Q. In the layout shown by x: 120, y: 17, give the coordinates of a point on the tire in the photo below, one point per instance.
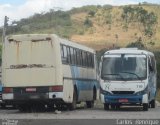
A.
x: 94, y: 93
x: 145, y: 107
x: 153, y: 104
x: 113, y: 107
x: 118, y: 107
x: 22, y: 108
x: 3, y: 105
x: 106, y: 106
x: 90, y: 104
x: 72, y: 106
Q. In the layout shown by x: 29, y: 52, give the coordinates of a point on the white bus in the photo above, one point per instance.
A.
x: 128, y: 76
x: 49, y: 70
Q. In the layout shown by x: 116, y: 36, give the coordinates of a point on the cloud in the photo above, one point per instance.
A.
x: 37, y: 6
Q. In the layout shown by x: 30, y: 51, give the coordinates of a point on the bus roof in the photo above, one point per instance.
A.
x: 76, y: 45
x: 28, y: 37
x: 128, y: 51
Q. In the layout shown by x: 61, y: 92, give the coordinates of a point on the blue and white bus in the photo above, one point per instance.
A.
x: 128, y: 76
x: 49, y: 70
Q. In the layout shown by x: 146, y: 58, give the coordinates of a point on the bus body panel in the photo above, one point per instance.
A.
x: 32, y: 70
x: 29, y: 60
x: 83, y: 79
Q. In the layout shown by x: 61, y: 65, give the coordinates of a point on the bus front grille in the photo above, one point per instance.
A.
x: 123, y: 92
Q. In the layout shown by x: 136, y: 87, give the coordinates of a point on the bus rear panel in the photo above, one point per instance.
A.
x: 29, y: 69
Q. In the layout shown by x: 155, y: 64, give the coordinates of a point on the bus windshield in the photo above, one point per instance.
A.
x: 124, y: 67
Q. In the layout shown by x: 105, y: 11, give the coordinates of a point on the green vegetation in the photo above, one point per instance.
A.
x: 136, y: 44
x: 146, y: 20
x: 88, y: 22
x: 92, y: 19
x: 51, y: 22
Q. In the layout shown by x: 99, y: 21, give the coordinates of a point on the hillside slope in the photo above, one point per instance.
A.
x: 95, y: 26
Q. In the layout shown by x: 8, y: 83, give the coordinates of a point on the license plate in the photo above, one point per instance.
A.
x: 30, y: 89
x: 123, y: 100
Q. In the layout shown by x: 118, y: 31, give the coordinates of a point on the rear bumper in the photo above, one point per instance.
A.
x: 48, y: 97
x: 115, y: 99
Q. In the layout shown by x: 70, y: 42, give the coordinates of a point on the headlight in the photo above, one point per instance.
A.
x: 143, y: 91
x: 104, y: 92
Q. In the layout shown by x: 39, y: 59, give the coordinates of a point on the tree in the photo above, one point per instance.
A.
x: 147, y: 20
x: 137, y: 44
x: 88, y: 22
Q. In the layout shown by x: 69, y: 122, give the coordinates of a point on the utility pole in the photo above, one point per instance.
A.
x: 6, y: 19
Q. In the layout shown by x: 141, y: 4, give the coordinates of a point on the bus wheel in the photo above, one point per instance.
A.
x: 153, y: 104
x: 3, y: 105
x: 23, y: 108
x: 145, y: 107
x: 90, y: 104
x: 106, y: 106
x: 113, y: 106
x: 72, y: 105
x: 117, y: 107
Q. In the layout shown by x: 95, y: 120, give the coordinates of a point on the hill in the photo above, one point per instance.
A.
x: 98, y: 26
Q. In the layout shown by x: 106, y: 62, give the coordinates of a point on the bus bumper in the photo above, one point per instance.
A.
x: 122, y: 99
x: 48, y: 97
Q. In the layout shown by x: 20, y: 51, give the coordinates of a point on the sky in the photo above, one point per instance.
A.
x: 18, y: 9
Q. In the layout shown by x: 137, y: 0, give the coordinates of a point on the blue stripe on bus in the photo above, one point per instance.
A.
x: 81, y: 84
x: 85, y: 85
x: 115, y: 98
x: 0, y: 88
x: 74, y: 71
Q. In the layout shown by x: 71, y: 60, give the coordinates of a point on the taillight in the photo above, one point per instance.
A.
x: 8, y: 90
x: 56, y: 88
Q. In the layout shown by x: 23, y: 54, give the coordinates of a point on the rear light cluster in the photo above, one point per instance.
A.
x: 7, y: 90
x: 58, y: 88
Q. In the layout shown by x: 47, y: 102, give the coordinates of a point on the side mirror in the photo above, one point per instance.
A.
x: 100, y: 65
x: 151, y: 68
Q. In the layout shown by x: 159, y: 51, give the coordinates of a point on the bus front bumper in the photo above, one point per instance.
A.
x: 122, y: 99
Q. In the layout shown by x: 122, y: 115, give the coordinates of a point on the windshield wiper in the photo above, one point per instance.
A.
x: 133, y: 74
x: 116, y: 74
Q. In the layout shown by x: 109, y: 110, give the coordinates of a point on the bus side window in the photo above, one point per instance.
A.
x: 72, y: 55
x: 87, y: 59
x: 68, y: 55
x: 78, y: 54
x: 63, y: 54
x: 81, y: 57
x: 92, y: 60
x: 151, y: 64
x: 84, y: 59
